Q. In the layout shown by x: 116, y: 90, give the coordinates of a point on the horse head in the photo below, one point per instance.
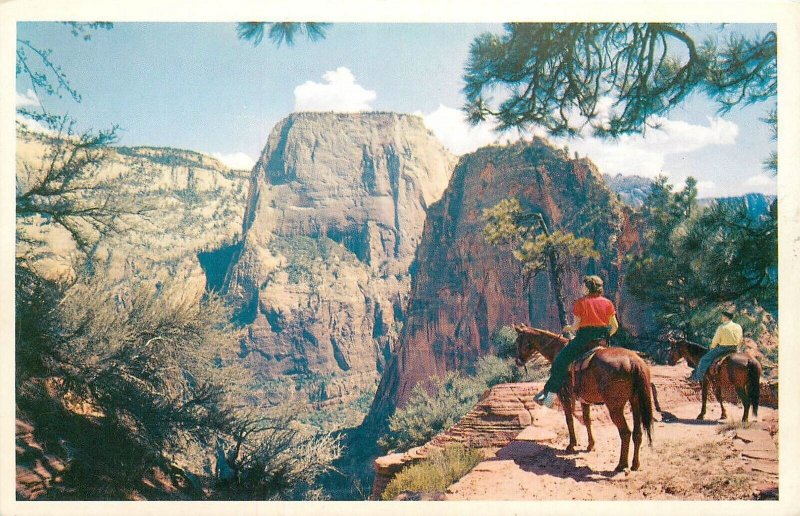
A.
x: 525, y: 344
x: 677, y: 345
x: 674, y: 354
x: 530, y: 340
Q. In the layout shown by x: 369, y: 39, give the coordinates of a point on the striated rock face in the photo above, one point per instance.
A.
x: 320, y: 278
x: 455, y: 309
x: 195, y: 204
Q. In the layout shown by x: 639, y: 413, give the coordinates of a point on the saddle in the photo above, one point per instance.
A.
x: 582, y: 362
x: 715, y: 366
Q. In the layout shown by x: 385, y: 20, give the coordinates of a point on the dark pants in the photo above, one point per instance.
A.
x: 576, y: 347
x: 708, y: 359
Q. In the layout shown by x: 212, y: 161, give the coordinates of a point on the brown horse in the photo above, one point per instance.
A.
x: 739, y: 370
x: 615, y: 376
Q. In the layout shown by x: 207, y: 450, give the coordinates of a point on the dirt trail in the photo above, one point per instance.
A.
x: 689, y: 459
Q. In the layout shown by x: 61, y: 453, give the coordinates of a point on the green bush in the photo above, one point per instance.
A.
x: 491, y: 370
x: 426, y: 415
x: 505, y: 342
x: 435, y: 473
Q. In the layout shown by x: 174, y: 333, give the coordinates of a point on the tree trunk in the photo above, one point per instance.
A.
x: 531, y: 302
x: 555, y: 275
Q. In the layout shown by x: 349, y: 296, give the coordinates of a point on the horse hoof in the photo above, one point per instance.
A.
x: 590, y: 447
x: 570, y: 449
x: 621, y: 468
x: 701, y: 417
x: 635, y: 467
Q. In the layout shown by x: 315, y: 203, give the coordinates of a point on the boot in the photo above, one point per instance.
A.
x: 545, y: 398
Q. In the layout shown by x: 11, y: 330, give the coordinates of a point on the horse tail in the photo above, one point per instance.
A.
x: 642, y: 396
x: 754, y: 383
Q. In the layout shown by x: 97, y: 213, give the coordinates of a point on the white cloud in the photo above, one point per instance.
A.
x: 451, y: 128
x: 759, y: 180
x: 34, y: 125
x: 639, y: 154
x: 27, y: 99
x: 706, y: 188
x: 760, y: 183
x: 339, y: 93
x: 645, y: 154
x: 448, y: 124
x: 236, y: 160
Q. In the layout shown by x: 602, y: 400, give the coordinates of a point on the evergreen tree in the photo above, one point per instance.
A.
x: 538, y: 248
x: 694, y: 259
x: 555, y: 75
x: 280, y: 33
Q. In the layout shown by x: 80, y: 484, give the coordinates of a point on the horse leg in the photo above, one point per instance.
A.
x: 702, y: 413
x: 655, y: 396
x: 637, y: 434
x: 742, y: 393
x: 617, y: 414
x: 566, y: 401
x: 587, y: 420
x: 718, y: 394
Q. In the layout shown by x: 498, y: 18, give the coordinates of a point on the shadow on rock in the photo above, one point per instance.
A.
x: 669, y: 417
x: 539, y: 459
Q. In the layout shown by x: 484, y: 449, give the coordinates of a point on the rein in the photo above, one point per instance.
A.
x: 533, y: 333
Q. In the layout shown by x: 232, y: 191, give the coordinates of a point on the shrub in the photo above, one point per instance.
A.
x: 146, y: 367
x: 505, y: 342
x: 426, y: 415
x: 435, y: 473
x: 268, y: 457
x: 491, y: 370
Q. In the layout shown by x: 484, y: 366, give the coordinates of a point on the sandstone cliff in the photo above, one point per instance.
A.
x: 195, y: 203
x: 320, y: 278
x: 465, y: 289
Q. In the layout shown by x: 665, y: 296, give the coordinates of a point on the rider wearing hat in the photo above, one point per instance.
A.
x: 594, y: 319
x: 726, y: 340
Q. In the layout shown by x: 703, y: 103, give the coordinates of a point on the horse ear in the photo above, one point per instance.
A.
x: 517, y: 327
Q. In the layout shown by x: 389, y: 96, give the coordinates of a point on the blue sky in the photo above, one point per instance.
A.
x: 196, y: 86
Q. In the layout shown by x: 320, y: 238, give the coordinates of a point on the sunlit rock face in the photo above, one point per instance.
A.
x: 192, y: 205
x: 465, y: 289
x: 335, y: 212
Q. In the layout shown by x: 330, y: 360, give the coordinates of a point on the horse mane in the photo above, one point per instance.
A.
x: 694, y: 345
x: 530, y: 330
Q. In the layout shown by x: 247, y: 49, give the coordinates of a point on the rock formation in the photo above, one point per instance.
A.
x: 195, y: 204
x: 632, y: 190
x: 465, y: 289
x: 320, y: 278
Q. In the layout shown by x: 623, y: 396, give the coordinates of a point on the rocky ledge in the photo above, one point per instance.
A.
x: 506, y: 412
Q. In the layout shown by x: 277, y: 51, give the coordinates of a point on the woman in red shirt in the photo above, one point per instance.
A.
x: 595, y: 318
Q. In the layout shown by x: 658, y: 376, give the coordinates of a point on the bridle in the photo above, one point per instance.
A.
x: 518, y: 361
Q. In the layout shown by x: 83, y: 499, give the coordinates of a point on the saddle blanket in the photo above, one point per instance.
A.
x: 583, y: 361
x: 581, y: 364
